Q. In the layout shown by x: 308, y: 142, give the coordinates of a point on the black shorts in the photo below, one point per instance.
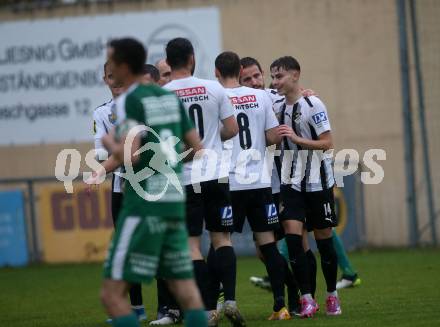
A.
x: 116, y: 205
x: 315, y: 209
x: 258, y: 207
x: 212, y: 206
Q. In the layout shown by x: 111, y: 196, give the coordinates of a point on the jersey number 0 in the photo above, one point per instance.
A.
x: 196, y: 115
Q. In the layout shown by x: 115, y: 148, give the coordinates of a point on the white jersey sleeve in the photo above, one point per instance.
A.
x: 318, y: 116
x: 271, y: 120
x: 226, y: 109
x: 98, y: 130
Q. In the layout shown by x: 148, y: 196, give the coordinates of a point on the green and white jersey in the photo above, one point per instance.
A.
x: 154, y: 181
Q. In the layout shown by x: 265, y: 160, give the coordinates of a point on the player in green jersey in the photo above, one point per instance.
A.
x: 151, y: 237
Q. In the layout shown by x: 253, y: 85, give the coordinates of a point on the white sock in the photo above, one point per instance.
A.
x: 308, y: 296
x: 334, y: 293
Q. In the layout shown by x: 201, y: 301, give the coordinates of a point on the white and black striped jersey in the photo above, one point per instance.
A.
x: 104, y: 118
x: 253, y: 109
x: 277, y: 102
x: 207, y: 105
x: 306, y: 170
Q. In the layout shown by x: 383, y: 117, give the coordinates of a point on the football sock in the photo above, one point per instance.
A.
x: 298, y: 261
x: 313, y: 268
x: 329, y: 262
x: 334, y: 293
x: 226, y: 263
x: 274, y: 263
x: 213, y: 282
x: 135, y: 294
x: 202, y: 277
x: 130, y: 320
x: 196, y: 318
x: 343, y: 261
x: 292, y: 286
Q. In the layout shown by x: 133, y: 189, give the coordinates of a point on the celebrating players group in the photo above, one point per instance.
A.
x: 240, y: 151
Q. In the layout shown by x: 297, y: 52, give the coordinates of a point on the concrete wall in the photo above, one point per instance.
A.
x: 348, y: 51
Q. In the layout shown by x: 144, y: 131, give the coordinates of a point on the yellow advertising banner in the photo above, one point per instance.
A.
x: 75, y: 227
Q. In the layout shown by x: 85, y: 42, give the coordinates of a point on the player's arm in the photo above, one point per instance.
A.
x: 271, y: 123
x: 115, y: 142
x: 192, y: 141
x: 324, y: 142
x: 229, y: 128
x: 273, y: 136
x: 318, y: 120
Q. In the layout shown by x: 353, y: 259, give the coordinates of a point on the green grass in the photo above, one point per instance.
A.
x: 399, y: 288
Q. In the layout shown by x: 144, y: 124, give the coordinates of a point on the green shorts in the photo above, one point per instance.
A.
x: 144, y: 247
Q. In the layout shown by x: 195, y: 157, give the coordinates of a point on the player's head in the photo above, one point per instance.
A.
x: 150, y: 75
x: 251, y: 74
x: 115, y: 89
x: 180, y: 54
x: 285, y: 73
x: 164, y: 72
x: 126, y: 58
x: 227, y: 65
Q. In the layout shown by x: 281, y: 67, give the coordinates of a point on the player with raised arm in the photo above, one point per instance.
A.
x: 252, y: 196
x: 150, y: 238
x: 208, y: 197
x: 104, y: 118
x: 307, y: 182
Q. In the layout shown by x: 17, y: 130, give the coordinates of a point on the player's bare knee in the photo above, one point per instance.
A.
x: 263, y: 238
x: 321, y: 234
x: 219, y: 239
x: 293, y: 227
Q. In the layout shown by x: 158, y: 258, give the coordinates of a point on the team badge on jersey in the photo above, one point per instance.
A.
x: 271, y: 213
x: 297, y: 117
x: 226, y: 216
x: 112, y: 117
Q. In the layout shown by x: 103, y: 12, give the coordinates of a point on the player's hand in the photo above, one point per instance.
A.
x: 308, y: 93
x: 92, y: 182
x: 287, y: 131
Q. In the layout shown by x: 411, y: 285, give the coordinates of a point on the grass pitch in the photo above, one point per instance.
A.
x: 399, y: 288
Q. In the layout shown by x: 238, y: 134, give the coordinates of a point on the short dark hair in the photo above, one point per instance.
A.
x: 249, y: 61
x: 178, y: 51
x: 287, y: 63
x: 152, y: 71
x: 131, y: 52
x: 228, y: 64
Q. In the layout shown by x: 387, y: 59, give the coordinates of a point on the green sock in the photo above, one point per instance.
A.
x: 196, y: 318
x: 126, y: 321
x: 343, y: 261
x: 282, y: 247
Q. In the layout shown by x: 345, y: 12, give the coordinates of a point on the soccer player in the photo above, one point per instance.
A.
x: 307, y: 182
x: 150, y: 74
x: 253, y: 76
x: 252, y: 197
x: 150, y: 237
x: 104, y: 118
x: 208, y: 197
x: 164, y: 72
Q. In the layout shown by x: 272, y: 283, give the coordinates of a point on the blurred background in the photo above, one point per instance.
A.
x: 374, y: 63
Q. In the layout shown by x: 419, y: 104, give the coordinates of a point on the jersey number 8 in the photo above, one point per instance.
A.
x: 244, y: 132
